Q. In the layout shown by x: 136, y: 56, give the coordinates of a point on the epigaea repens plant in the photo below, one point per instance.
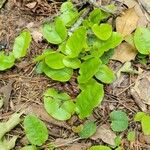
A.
x: 80, y: 51
x: 21, y: 44
x: 144, y: 119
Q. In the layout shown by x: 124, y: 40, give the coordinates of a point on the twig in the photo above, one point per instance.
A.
x: 68, y: 142
x: 79, y: 21
x: 92, y: 2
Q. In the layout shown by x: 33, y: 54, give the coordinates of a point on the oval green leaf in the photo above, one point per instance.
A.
x: 142, y: 40
x: 100, y: 147
x: 55, y: 33
x: 105, y: 74
x: 119, y: 121
x: 146, y: 124
x: 29, y: 148
x: 69, y: 13
x: 88, y: 130
x: 111, y: 43
x: 73, y: 63
x: 6, y: 62
x: 58, y: 105
x: 35, y: 130
x: 102, y: 31
x: 22, y: 43
x: 55, y: 60
x: 88, y: 69
x: 76, y: 42
x: 90, y: 97
x: 61, y: 75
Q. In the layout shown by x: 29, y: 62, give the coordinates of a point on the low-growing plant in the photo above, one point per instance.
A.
x: 119, y: 121
x: 80, y: 51
x: 21, y: 44
x: 144, y: 118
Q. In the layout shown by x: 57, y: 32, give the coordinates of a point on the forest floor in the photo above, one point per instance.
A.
x: 23, y: 87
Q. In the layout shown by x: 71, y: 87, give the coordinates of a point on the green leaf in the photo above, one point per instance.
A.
x: 139, y: 116
x: 55, y: 33
x: 76, y: 42
x: 58, y: 105
x: 73, y: 63
x: 55, y: 60
x: 61, y: 75
x: 111, y: 43
x: 43, y: 55
x: 88, y: 130
x: 142, y: 40
x: 106, y: 56
x: 131, y: 136
x: 69, y: 13
x: 29, y: 148
x: 105, y: 74
x: 117, y: 141
x: 95, y: 16
x: 102, y: 31
x: 6, y: 62
x: 146, y: 124
x: 35, y: 130
x: 89, y: 98
x: 88, y: 69
x: 100, y: 147
x: 22, y: 43
x: 119, y: 121
x: 39, y: 67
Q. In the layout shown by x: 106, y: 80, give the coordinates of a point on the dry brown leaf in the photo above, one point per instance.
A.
x: 35, y: 32
x: 105, y: 134
x: 124, y: 52
x: 31, y: 5
x: 6, y: 92
x: 127, y: 23
x: 146, y: 5
x: 142, y: 87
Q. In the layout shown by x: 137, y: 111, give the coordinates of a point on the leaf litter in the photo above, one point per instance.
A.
x: 37, y: 99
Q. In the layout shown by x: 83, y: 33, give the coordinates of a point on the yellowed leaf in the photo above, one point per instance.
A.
x: 127, y: 23
x: 124, y: 52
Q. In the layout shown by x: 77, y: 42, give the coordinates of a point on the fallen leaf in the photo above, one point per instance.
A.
x: 142, y: 22
x: 31, y: 5
x: 105, y: 134
x: 147, y: 139
x: 146, y: 5
x: 6, y: 92
x: 142, y: 87
x: 62, y: 142
x: 129, y: 3
x: 35, y: 32
x: 127, y: 23
x: 124, y: 52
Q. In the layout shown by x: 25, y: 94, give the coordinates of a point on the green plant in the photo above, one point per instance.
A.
x: 131, y: 136
x: 30, y: 147
x: 80, y: 51
x: 21, y: 44
x: 88, y: 130
x: 58, y: 105
x: 35, y: 130
x: 142, y: 40
x: 145, y: 121
x: 119, y: 121
x: 100, y: 147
